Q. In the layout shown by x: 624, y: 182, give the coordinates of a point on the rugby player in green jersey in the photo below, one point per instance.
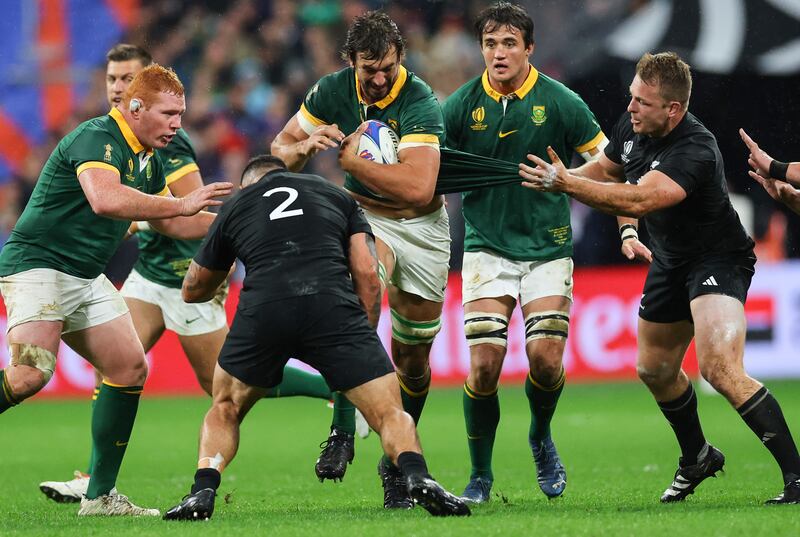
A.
x: 410, y: 223
x: 100, y: 177
x: 525, y: 255
x: 152, y: 290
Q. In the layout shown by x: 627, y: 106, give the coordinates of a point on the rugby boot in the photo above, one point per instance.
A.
x: 197, y: 506
x: 395, y: 487
x: 790, y: 494
x: 550, y: 472
x: 66, y: 491
x: 113, y: 504
x: 687, y: 477
x: 434, y: 498
x: 337, y: 452
x: 478, y: 490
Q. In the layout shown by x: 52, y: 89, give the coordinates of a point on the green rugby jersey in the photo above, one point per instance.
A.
x: 164, y: 260
x: 410, y: 109
x: 58, y: 228
x: 513, y: 221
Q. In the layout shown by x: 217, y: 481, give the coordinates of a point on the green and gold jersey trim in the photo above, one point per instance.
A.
x: 311, y: 118
x: 134, y: 143
x: 527, y: 86
x: 93, y: 165
x: 591, y: 144
x: 182, y: 172
x: 164, y: 192
x: 402, y: 76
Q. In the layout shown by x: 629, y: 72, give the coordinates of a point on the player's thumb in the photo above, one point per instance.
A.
x: 553, y: 155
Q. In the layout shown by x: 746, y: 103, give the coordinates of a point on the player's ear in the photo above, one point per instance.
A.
x: 135, y: 105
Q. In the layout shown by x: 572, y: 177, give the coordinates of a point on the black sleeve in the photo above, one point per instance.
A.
x: 615, y: 141
x: 216, y: 252
x: 357, y: 222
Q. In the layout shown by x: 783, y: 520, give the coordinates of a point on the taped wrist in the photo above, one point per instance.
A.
x: 628, y: 231
x: 778, y: 169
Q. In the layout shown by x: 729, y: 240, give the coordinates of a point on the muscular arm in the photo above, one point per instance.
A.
x: 654, y: 191
x: 185, y: 227
x: 412, y: 180
x: 363, y: 259
x: 200, y: 284
x: 295, y: 147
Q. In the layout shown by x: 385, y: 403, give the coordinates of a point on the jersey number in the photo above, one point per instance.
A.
x: 281, y: 210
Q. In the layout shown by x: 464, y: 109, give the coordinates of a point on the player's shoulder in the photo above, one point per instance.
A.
x: 333, y: 83
x: 416, y: 87
x: 557, y: 89
x: 98, y: 130
x: 466, y: 92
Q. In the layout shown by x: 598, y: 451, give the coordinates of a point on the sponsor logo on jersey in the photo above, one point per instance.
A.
x: 626, y: 149
x: 107, y: 156
x: 129, y: 176
x: 174, y: 161
x: 654, y: 164
x: 478, y: 115
x: 502, y: 134
x: 538, y: 115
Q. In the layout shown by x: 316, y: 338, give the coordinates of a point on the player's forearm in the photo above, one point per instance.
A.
x: 369, y: 294
x: 290, y: 151
x: 124, y: 203
x: 400, y: 182
x: 201, y: 284
x: 612, y: 198
x: 595, y: 171
x: 793, y: 174
x: 185, y: 227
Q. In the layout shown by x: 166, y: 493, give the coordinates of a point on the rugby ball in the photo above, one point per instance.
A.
x: 378, y: 143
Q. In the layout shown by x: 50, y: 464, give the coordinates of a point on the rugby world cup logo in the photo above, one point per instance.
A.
x: 478, y: 115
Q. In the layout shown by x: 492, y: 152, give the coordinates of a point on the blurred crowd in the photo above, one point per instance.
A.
x: 246, y: 65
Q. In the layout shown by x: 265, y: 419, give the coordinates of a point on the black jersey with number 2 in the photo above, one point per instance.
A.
x: 703, y: 223
x: 292, y: 232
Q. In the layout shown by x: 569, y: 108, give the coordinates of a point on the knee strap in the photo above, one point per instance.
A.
x: 481, y: 327
x: 552, y: 324
x: 33, y: 356
x: 413, y: 332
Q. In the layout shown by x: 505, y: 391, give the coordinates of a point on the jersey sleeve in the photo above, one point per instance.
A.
x: 451, y: 115
x: 615, y: 143
x: 312, y: 112
x: 421, y: 121
x: 583, y: 130
x: 178, y: 157
x: 95, y: 149
x: 216, y: 252
x: 357, y: 222
x: 687, y: 165
x: 158, y: 184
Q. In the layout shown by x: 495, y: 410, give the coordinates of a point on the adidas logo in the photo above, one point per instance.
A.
x: 767, y: 437
x: 711, y: 281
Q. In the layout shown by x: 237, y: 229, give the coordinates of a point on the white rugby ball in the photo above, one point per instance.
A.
x: 378, y: 143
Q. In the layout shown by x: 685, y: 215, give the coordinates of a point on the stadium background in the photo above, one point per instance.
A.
x: 246, y: 65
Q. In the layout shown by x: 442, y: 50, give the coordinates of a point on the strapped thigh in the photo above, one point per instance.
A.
x: 550, y: 324
x: 482, y: 327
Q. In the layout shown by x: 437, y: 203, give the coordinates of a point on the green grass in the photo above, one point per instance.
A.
x: 618, y: 450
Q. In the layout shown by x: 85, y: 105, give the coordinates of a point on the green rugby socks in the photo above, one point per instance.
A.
x: 112, y: 423
x: 481, y: 416
x: 344, y: 414
x: 542, y: 401
x: 298, y: 382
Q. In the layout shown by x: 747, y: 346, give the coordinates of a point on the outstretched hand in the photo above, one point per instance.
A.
x: 633, y: 249
x: 544, y: 177
x: 203, y: 197
x: 758, y: 159
x: 324, y: 137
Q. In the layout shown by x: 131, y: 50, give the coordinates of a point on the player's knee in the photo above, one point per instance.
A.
x: 482, y: 328
x: 411, y: 332
x: 546, y: 370
x: 655, y: 375
x: 543, y: 325
x: 719, y: 375
x: 33, y: 369
x: 484, y: 374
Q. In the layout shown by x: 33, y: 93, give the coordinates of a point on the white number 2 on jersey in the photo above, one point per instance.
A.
x: 281, y: 210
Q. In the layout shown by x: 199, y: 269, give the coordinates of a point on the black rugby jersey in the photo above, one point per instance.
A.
x: 292, y: 233
x: 705, y: 221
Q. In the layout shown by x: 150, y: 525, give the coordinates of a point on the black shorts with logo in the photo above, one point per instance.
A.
x: 669, y: 290
x: 328, y: 332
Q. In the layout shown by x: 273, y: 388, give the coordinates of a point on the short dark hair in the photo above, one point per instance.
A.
x: 670, y: 72
x: 373, y: 34
x: 504, y: 14
x: 257, y: 166
x: 122, y: 52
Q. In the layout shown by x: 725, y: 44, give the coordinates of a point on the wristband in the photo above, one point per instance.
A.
x: 778, y: 169
x: 628, y: 231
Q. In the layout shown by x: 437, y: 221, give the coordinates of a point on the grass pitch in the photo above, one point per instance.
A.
x: 619, y: 452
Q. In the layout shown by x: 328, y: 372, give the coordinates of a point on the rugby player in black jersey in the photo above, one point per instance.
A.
x: 311, y: 291
x: 663, y: 165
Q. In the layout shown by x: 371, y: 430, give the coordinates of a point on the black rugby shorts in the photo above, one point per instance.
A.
x: 328, y: 332
x: 669, y: 290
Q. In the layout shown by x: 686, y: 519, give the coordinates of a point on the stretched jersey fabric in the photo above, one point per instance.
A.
x: 703, y: 223
x: 162, y: 259
x: 535, y: 226
x: 410, y: 109
x: 292, y: 233
x: 58, y: 228
x: 462, y: 172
